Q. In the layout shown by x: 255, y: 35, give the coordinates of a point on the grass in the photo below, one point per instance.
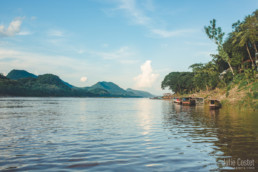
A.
x: 242, y: 84
x: 243, y: 95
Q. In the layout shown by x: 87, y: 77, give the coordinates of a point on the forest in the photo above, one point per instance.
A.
x: 234, y: 63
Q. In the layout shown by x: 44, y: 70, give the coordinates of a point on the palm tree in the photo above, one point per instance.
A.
x: 246, y: 34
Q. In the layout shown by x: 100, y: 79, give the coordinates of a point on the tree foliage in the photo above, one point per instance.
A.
x: 179, y: 82
x: 235, y: 57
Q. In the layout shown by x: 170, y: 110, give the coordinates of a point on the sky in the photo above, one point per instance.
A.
x: 133, y: 43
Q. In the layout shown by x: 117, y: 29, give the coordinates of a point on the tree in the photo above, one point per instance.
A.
x: 205, y: 75
x: 179, y: 82
x: 216, y: 34
x: 200, y: 77
x: 246, y: 33
x: 236, y: 52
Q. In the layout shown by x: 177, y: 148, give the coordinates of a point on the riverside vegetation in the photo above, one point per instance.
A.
x: 231, y: 75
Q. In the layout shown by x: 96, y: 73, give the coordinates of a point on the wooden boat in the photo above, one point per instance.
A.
x: 214, y: 104
x: 198, y: 100
x: 178, y: 100
x: 188, y: 101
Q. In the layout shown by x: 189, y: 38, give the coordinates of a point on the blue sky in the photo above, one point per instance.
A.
x: 133, y: 43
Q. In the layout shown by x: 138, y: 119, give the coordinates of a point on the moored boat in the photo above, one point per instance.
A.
x: 178, y: 101
x: 188, y: 101
x: 214, y: 104
x: 198, y: 100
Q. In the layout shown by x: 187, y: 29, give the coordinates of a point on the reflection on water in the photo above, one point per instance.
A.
x: 59, y: 134
x: 233, y: 134
x: 144, y: 115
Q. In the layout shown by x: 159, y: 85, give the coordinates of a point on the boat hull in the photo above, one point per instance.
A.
x: 189, y: 103
x: 215, y: 104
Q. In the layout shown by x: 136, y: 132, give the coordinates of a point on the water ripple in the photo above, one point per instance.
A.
x: 77, y: 134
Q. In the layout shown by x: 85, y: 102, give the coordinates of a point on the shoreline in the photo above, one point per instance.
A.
x: 237, y: 95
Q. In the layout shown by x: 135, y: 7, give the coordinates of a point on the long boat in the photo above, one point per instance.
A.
x: 188, y: 101
x: 198, y: 100
x: 214, y: 104
x: 175, y: 99
x: 179, y: 101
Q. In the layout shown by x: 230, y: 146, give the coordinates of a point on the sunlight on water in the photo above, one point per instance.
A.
x: 63, y: 134
x: 144, y: 115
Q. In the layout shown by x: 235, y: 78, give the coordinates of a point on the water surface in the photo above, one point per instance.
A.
x: 119, y: 134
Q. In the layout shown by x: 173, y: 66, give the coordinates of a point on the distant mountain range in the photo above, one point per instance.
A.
x: 23, y: 83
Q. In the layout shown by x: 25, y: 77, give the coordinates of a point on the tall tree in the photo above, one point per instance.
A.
x: 216, y: 34
x: 246, y: 34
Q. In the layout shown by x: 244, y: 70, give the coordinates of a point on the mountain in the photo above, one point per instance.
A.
x: 19, y: 74
x: 140, y: 93
x: 101, y: 92
x: 51, y: 80
x: 23, y: 83
x: 69, y: 85
x: 110, y: 87
x: 42, y: 86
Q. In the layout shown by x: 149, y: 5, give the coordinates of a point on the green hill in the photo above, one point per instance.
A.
x: 112, y: 88
x: 99, y: 91
x: 42, y: 86
x: 140, y: 93
x: 19, y: 74
x: 50, y: 79
x: 23, y: 83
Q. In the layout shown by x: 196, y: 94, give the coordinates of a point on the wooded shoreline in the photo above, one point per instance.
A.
x: 231, y: 75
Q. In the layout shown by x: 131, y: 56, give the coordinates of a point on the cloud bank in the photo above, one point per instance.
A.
x: 167, y: 34
x: 57, y: 33
x: 147, y: 78
x: 133, y: 12
x: 13, y: 28
x: 139, y: 13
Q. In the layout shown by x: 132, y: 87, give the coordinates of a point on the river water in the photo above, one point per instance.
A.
x: 124, y: 134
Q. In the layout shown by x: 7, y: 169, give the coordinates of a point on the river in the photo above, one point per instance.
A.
x: 124, y: 134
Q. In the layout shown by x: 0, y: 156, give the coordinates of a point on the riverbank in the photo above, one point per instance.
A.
x: 243, y: 95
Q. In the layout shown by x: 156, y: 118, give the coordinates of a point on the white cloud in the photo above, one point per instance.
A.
x: 137, y: 12
x: 13, y: 28
x: 83, y: 79
x: 167, y: 34
x: 24, y: 33
x: 129, y: 61
x: 33, y: 18
x: 46, y: 63
x: 105, y: 45
x: 56, y: 33
x: 80, y: 51
x: 147, y: 77
x: 136, y: 15
x: 68, y: 68
x: 123, y: 55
